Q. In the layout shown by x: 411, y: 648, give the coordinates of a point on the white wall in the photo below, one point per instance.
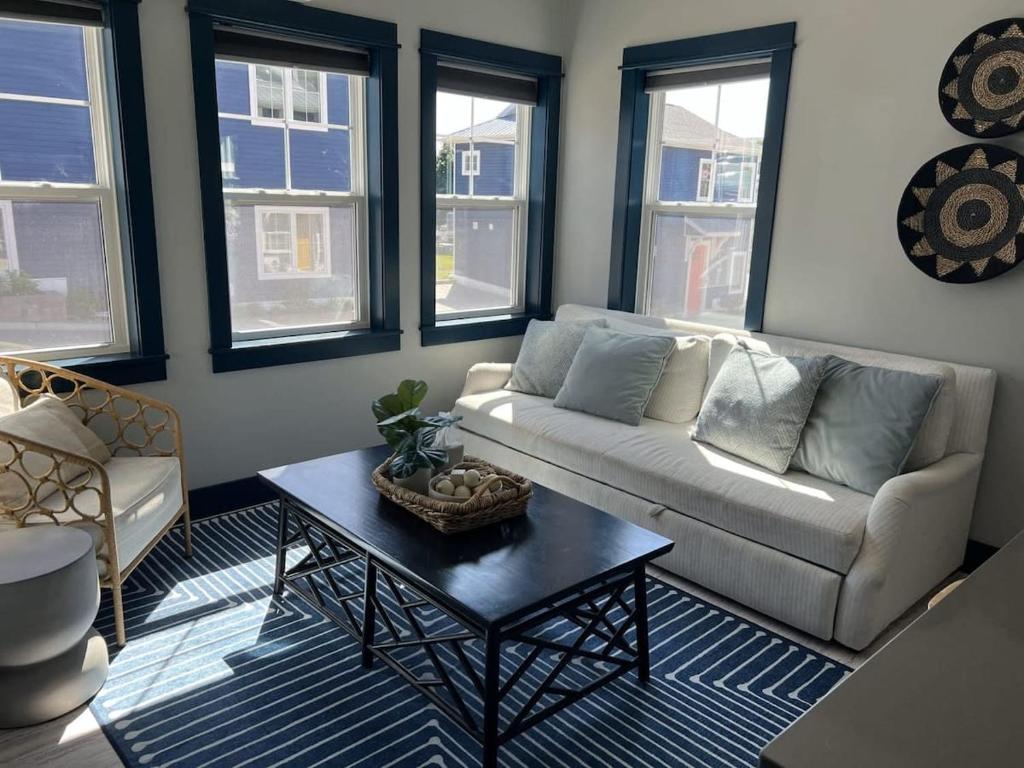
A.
x: 863, y: 116
x: 237, y: 423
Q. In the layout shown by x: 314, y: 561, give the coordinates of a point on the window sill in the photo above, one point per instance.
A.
x: 287, y: 350
x: 121, y: 369
x: 475, y: 328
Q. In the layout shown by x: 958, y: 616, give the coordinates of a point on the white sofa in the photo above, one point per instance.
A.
x: 821, y: 557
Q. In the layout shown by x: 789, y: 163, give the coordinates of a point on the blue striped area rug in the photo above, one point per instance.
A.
x: 218, y: 673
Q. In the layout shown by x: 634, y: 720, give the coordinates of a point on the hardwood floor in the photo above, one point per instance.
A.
x: 76, y: 741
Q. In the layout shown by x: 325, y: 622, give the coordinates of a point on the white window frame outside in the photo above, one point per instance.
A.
x: 291, y: 211
x: 355, y: 198
x: 472, y: 167
x: 653, y: 206
x: 289, y: 103
x: 517, y: 202
x: 7, y: 233
x: 709, y: 163
x: 102, y: 193
x: 746, y: 166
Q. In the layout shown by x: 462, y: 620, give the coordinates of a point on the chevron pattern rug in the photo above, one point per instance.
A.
x: 218, y: 673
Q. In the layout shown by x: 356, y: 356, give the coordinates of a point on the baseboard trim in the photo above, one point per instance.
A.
x: 976, y: 554
x: 212, y: 500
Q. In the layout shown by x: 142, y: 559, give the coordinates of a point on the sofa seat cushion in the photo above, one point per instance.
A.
x: 804, y: 516
x: 145, y: 496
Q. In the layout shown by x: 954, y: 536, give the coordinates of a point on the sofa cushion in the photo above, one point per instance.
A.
x: 864, y: 422
x: 614, y: 374
x: 796, y: 513
x: 547, y: 352
x: 679, y: 392
x: 758, y: 405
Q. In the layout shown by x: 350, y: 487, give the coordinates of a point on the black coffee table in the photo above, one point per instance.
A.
x: 505, y: 584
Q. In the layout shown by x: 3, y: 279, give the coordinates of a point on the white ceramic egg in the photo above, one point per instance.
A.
x: 471, y: 478
x: 445, y: 486
x: 462, y: 492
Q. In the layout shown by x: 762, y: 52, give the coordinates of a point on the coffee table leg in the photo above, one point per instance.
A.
x: 282, y: 528
x: 369, y: 611
x: 492, y: 668
x: 640, y: 606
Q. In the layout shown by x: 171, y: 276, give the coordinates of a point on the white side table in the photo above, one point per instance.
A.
x: 51, y: 659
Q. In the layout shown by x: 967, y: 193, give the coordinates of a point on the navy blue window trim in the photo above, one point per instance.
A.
x: 774, y: 42
x: 543, y: 164
x: 380, y: 40
x: 123, y: 59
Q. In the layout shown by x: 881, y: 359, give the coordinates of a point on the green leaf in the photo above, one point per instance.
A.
x: 411, y: 392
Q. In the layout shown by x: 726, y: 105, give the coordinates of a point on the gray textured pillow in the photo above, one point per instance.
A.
x: 757, y: 406
x: 546, y: 354
x: 614, y: 374
x: 864, y: 423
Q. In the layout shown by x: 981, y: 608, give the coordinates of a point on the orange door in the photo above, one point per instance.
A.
x: 695, y: 278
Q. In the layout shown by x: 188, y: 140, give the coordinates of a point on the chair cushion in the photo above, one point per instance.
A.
x: 804, y: 516
x: 10, y: 401
x: 145, y: 496
x: 614, y: 374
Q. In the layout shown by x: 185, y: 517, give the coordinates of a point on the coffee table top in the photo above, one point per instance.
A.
x: 493, y: 575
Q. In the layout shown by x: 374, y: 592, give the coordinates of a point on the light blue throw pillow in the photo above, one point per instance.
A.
x: 757, y: 406
x: 547, y: 351
x: 614, y: 374
x: 864, y: 423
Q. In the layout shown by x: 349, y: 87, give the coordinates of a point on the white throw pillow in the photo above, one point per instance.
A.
x: 679, y: 392
x: 9, y: 400
x: 721, y: 346
x: 49, y: 421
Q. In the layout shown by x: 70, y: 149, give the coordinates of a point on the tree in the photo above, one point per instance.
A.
x: 444, y: 169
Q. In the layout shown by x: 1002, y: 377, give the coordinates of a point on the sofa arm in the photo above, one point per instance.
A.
x: 915, y: 536
x: 486, y: 377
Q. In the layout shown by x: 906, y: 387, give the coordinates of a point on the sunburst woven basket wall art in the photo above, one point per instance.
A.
x: 961, y: 217
x: 981, y: 91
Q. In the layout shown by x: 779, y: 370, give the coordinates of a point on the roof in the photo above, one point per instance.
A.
x: 684, y: 128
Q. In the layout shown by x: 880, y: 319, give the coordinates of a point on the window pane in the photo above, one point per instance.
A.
x: 269, y: 92
x: 476, y: 146
x: 305, y: 96
x: 38, y: 59
x: 475, y: 259
x: 53, y: 276
x: 709, y: 142
x: 699, y: 268
x: 291, y: 267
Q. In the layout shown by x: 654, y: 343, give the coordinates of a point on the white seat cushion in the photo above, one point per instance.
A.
x: 145, y: 496
x: 795, y: 513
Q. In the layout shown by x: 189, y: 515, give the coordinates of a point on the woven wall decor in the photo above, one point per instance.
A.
x: 961, y: 216
x: 981, y: 92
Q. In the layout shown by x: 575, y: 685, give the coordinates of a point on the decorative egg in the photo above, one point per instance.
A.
x: 471, y: 478
x: 445, y: 486
x: 462, y: 492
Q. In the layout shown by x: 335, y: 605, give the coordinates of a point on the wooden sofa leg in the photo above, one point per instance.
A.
x: 118, y: 614
x: 188, y: 532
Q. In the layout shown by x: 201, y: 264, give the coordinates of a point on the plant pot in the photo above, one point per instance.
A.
x: 455, y: 455
x: 418, y: 482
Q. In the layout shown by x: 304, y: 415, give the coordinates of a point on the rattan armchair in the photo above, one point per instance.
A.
x: 144, y: 439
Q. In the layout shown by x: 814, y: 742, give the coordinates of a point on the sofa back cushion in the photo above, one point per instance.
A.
x: 614, y: 374
x: 680, y: 391
x: 546, y: 353
x: 864, y: 423
x: 758, y: 404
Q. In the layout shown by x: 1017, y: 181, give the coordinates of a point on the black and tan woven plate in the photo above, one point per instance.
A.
x: 981, y: 92
x: 961, y: 216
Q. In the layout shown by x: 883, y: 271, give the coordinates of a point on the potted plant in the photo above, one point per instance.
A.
x: 410, y: 434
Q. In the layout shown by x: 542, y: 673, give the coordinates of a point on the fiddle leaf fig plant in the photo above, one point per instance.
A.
x: 399, y: 416
x: 415, y: 451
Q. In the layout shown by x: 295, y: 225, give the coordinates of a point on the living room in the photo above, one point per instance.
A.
x: 557, y: 382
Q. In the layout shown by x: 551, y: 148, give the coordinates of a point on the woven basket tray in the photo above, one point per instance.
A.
x: 453, y: 517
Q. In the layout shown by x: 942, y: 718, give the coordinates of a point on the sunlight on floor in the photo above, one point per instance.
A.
x: 81, y: 726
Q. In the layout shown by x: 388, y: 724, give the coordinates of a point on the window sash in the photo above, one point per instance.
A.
x: 288, y: 118
x: 291, y: 213
x: 653, y: 206
x: 103, y: 193
x: 518, y: 202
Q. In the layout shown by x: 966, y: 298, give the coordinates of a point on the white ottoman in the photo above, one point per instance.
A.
x: 51, y: 659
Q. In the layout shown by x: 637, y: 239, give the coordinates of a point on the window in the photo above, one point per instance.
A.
x: 710, y: 111
x: 301, y: 252
x: 65, y: 245
x: 489, y: 129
